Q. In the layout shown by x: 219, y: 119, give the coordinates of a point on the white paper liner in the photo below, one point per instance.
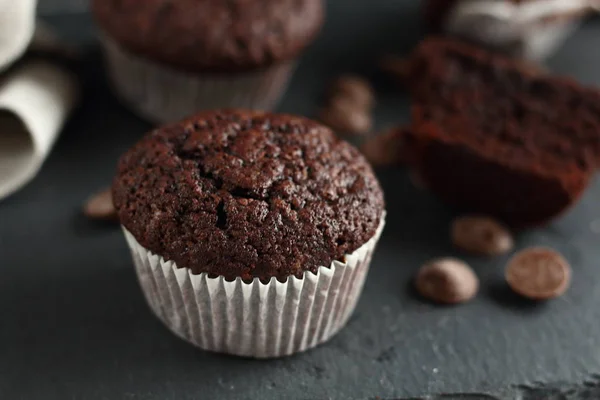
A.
x: 253, y: 319
x: 160, y: 94
x: 518, y: 29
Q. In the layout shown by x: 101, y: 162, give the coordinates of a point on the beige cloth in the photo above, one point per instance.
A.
x: 36, y: 97
x: 527, y: 29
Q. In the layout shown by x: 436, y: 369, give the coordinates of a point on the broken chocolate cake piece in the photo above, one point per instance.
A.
x: 497, y: 137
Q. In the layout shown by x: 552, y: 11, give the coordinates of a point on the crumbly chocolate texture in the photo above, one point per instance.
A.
x: 247, y: 194
x: 496, y: 137
x: 211, y: 35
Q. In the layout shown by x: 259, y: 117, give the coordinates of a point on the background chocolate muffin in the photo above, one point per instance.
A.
x: 211, y: 35
x: 236, y: 195
x: 169, y: 59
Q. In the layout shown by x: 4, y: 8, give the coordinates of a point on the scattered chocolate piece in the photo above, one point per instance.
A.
x: 447, y: 280
x: 538, y: 273
x: 397, y: 67
x: 344, y: 116
x: 354, y: 89
x: 100, y: 206
x: 348, y: 106
x: 380, y: 149
x: 481, y: 235
x: 391, y: 147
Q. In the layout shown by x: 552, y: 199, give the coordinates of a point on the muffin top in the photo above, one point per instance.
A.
x: 247, y: 194
x: 211, y: 35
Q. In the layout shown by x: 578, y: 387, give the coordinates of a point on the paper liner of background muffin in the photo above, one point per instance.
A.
x: 531, y: 30
x: 161, y: 94
x: 36, y: 96
x: 254, y: 319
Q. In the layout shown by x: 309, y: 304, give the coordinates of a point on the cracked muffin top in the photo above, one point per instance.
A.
x: 211, y: 35
x: 247, y: 194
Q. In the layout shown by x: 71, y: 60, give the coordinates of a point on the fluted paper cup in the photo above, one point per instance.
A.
x: 254, y: 319
x: 162, y: 95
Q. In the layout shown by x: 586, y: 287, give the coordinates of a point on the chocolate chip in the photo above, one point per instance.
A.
x: 447, y: 280
x: 379, y: 151
x: 397, y: 67
x: 481, y: 235
x: 387, y: 148
x: 100, y: 206
x: 354, y: 89
x: 345, y: 117
x: 538, y: 273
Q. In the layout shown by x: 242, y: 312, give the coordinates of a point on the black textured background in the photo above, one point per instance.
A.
x: 74, y: 325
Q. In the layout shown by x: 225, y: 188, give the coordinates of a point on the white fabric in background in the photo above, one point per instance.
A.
x: 36, y: 96
x: 520, y: 28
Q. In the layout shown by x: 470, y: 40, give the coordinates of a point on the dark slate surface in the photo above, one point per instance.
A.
x: 74, y: 325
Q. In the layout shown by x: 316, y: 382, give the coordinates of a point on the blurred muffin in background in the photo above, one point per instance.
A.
x: 168, y: 59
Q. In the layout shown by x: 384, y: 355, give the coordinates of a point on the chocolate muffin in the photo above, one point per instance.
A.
x: 241, y: 197
x: 169, y: 59
x: 497, y: 137
x: 530, y: 29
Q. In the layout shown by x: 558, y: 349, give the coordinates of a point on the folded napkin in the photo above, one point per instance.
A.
x: 37, y: 93
x: 529, y: 29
